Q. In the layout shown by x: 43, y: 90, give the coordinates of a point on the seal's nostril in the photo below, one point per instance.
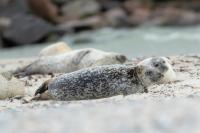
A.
x: 156, y: 65
x: 164, y: 68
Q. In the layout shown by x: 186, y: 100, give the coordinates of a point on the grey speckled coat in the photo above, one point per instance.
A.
x: 94, y: 83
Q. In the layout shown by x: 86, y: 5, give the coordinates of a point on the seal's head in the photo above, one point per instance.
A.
x: 155, y: 70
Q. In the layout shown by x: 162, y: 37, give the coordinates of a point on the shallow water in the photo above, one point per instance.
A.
x: 143, y: 41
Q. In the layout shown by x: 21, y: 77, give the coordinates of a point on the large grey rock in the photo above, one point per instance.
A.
x: 17, y: 26
x: 80, y: 8
x: 26, y: 29
x: 9, y: 8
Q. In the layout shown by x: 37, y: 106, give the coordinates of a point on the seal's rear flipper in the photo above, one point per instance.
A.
x: 42, y: 88
x: 22, y: 72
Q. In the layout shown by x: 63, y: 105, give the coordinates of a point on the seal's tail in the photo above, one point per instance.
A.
x: 20, y: 74
x: 42, y: 88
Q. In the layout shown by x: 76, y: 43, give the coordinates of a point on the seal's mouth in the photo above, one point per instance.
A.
x: 156, y: 77
x: 164, y: 68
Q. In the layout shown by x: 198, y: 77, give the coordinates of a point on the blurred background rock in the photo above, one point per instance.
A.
x: 34, y: 21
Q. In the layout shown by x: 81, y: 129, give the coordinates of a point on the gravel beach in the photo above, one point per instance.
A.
x: 171, y: 107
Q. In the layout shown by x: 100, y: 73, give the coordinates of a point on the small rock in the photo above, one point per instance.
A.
x: 11, y: 88
x: 80, y: 8
x: 54, y: 49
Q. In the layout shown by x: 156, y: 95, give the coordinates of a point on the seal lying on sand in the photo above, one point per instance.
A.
x: 71, y: 61
x: 106, y: 81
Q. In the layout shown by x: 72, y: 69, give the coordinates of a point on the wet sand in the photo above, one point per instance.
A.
x: 171, y: 107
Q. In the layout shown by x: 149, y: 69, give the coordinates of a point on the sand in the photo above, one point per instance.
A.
x: 171, y: 107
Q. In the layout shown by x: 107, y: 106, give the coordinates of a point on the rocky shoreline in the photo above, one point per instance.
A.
x: 171, y: 107
x: 48, y: 20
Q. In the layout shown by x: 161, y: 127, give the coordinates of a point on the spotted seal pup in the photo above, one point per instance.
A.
x: 71, y: 61
x: 106, y: 81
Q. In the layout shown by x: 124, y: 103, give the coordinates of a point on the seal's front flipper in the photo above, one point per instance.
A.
x: 80, y: 55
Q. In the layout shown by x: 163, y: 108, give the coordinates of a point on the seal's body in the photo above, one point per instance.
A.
x: 94, y: 83
x: 71, y: 61
x: 105, y: 81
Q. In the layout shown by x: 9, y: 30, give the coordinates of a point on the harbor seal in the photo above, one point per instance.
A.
x: 71, y: 61
x: 105, y: 81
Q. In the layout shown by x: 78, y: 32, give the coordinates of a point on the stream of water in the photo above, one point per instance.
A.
x: 143, y: 41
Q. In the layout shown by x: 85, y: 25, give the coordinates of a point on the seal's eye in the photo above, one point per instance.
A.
x: 156, y: 65
x: 163, y: 62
